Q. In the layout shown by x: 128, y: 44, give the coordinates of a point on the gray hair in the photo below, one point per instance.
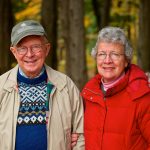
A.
x: 116, y: 35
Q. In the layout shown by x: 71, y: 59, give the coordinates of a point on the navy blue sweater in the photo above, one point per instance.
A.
x: 31, y: 131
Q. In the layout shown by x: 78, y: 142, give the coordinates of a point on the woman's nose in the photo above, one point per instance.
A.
x: 108, y: 58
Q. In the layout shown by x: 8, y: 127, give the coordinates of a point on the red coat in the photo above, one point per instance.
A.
x: 119, y: 119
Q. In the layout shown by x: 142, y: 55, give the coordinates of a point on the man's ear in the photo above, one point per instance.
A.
x: 48, y: 47
x: 13, y: 50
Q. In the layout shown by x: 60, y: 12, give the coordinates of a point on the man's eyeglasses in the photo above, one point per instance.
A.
x: 112, y: 55
x: 22, y: 50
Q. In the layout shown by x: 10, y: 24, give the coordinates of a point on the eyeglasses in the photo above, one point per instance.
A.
x: 22, y: 50
x: 112, y: 55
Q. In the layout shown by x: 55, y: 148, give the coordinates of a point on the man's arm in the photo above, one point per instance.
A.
x: 77, y: 115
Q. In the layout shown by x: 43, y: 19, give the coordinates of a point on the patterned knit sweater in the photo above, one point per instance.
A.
x: 31, y: 133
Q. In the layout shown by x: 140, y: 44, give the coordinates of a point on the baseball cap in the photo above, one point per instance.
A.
x: 26, y: 28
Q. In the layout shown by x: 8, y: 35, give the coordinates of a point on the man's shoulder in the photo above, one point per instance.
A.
x: 6, y: 77
x: 3, y: 78
x: 6, y: 74
x: 52, y: 72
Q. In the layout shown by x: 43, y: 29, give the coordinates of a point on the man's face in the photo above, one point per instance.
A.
x: 30, y: 54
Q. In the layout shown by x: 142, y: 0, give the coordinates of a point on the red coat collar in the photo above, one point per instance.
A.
x: 135, y: 82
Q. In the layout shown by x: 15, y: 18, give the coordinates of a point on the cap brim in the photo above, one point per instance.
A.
x: 20, y: 37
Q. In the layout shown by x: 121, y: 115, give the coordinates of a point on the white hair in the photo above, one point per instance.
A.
x: 114, y: 35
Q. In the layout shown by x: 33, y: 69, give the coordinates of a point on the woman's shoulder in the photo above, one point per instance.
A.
x: 138, y: 84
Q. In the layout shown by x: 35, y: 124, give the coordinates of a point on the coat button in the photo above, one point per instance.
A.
x: 91, y: 98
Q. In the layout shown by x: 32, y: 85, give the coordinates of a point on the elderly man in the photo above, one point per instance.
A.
x: 39, y: 107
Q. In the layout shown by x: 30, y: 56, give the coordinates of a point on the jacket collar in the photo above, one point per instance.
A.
x: 94, y: 86
x: 135, y: 82
x: 54, y: 77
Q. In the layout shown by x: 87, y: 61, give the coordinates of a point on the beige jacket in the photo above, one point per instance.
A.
x: 66, y: 111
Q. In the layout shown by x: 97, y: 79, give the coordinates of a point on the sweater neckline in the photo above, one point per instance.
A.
x: 37, y: 80
x: 106, y: 86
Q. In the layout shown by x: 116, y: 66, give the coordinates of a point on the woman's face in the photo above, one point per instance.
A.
x: 111, y: 60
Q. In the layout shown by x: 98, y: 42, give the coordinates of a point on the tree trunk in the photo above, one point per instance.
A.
x: 71, y: 14
x: 49, y: 21
x: 6, y: 23
x: 105, y: 13
x: 144, y: 35
x: 102, y: 12
x: 97, y: 5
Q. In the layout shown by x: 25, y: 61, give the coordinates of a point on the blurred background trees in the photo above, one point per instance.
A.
x: 143, y: 49
x: 6, y: 23
x: 72, y: 27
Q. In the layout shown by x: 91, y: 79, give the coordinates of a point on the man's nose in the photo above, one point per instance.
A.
x: 29, y: 52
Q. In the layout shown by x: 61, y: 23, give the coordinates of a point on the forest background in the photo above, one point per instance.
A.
x: 72, y: 27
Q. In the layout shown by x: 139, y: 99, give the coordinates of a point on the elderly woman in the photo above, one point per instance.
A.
x: 117, y: 99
